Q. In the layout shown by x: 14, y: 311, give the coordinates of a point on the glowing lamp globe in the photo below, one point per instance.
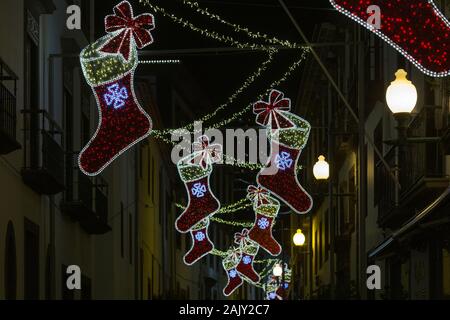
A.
x: 321, y: 169
x: 277, y: 270
x: 299, y: 238
x: 401, y: 95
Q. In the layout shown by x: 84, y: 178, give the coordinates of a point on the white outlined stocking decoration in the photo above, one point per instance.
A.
x: 266, y: 210
x: 201, y: 244
x: 229, y: 264
x: 195, y: 171
x: 249, y: 250
x: 280, y: 174
x: 108, y: 66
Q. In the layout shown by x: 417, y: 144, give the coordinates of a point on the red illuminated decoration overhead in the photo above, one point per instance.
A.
x: 279, y: 176
x: 416, y: 28
x: 127, y: 30
x: 108, y: 66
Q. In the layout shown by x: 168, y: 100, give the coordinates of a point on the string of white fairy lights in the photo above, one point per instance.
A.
x: 161, y: 134
x: 227, y: 39
x: 203, y: 31
x: 238, y: 28
x: 249, y: 81
x: 232, y: 161
x: 229, y: 160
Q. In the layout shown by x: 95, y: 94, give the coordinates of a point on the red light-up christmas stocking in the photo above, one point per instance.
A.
x: 201, y: 244
x: 229, y: 264
x: 108, y: 66
x: 249, y: 250
x: 270, y: 288
x: 266, y: 209
x: 416, y: 28
x: 289, y: 134
x: 195, y: 171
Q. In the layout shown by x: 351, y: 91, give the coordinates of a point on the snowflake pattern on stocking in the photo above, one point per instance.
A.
x: 116, y: 96
x: 198, y: 190
x: 263, y: 223
x: 246, y: 260
x: 200, y: 236
x: 283, y: 160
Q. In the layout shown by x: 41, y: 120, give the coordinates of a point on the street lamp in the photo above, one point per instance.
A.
x: 277, y: 270
x: 299, y: 238
x: 401, y: 98
x: 321, y: 169
x: 401, y: 95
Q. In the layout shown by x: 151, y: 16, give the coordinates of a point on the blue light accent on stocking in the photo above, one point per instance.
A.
x: 283, y: 160
x: 116, y: 96
x: 198, y: 190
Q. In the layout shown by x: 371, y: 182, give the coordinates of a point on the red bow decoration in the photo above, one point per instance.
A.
x: 206, y: 153
x: 234, y: 255
x: 241, y: 238
x: 268, y: 113
x: 127, y: 29
x: 258, y: 195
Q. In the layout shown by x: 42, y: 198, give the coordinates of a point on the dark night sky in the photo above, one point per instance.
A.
x: 219, y: 75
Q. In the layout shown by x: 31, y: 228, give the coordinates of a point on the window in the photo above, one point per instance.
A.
x: 121, y: 230
x: 68, y: 135
x: 10, y: 263
x: 31, y: 261
x: 31, y: 83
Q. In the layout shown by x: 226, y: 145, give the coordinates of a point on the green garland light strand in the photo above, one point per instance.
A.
x: 276, y: 83
x: 251, y: 79
x: 211, y: 34
x: 246, y: 109
x: 233, y: 223
x: 237, y: 28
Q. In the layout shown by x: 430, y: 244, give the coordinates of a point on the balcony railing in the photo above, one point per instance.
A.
x: 43, y: 167
x: 420, y: 173
x: 86, y: 199
x: 421, y: 160
x: 8, y: 119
